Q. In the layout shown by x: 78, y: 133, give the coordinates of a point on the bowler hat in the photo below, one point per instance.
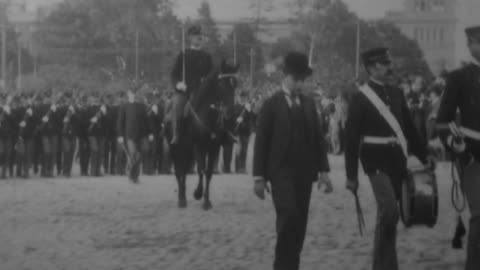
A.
x: 296, y: 64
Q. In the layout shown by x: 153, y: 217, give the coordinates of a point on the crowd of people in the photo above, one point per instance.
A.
x: 43, y: 134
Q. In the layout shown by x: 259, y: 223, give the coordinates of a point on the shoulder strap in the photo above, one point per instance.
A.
x: 386, y: 114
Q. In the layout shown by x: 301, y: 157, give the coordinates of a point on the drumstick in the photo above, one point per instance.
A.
x: 361, y: 221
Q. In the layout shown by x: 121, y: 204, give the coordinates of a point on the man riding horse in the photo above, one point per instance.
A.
x: 191, y: 68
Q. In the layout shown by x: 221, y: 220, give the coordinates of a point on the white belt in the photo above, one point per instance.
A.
x: 470, y: 133
x: 380, y: 140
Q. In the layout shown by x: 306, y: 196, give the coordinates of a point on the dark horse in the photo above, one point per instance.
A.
x: 203, y: 129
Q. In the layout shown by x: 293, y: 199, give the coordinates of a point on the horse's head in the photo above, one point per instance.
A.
x: 227, y: 82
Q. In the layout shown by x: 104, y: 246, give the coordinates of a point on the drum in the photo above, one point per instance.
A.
x: 419, y: 198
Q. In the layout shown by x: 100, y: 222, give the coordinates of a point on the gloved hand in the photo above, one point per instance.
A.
x: 181, y: 86
x: 120, y: 140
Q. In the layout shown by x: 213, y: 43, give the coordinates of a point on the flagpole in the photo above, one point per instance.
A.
x: 357, y: 52
x: 234, y: 48
x: 183, y: 52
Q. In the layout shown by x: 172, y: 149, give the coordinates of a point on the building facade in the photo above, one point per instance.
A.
x: 433, y: 24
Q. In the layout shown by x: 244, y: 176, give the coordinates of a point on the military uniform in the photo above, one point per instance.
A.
x: 48, y: 132
x: 153, y: 151
x: 198, y: 64
x: 24, y: 146
x: 244, y: 127
x: 368, y: 136
x: 82, y: 133
x: 69, y: 137
x: 463, y: 93
x: 110, y: 139
x: 6, y: 139
x: 96, y: 137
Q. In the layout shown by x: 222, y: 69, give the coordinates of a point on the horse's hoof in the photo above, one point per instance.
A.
x: 207, y: 205
x: 198, y: 194
x: 182, y: 203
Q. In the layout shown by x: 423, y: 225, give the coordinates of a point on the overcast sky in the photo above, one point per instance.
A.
x: 231, y: 9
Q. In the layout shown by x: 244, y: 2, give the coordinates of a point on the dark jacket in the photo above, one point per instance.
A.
x: 132, y: 122
x: 198, y: 65
x: 364, y: 120
x: 274, y: 134
x: 462, y: 92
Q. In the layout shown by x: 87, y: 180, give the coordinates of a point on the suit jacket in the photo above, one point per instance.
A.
x: 274, y: 134
x: 462, y: 92
x: 364, y: 120
x: 133, y: 122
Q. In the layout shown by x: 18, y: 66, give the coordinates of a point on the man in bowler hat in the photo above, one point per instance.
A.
x: 290, y: 154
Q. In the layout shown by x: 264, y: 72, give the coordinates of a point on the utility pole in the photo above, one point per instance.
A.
x: 3, y: 22
x: 252, y: 65
x: 357, y: 52
x: 136, y: 53
x: 19, y: 59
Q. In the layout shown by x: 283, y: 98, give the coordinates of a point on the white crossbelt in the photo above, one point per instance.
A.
x: 380, y: 140
x: 470, y: 133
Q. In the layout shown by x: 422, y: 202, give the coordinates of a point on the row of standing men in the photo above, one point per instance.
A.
x: 44, y: 134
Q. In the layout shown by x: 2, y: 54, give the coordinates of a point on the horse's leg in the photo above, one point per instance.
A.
x: 200, y: 160
x: 182, y: 188
x: 212, y: 157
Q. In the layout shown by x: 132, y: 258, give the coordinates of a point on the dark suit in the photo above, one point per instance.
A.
x: 243, y: 128
x: 133, y: 126
x: 463, y: 92
x: 289, y: 152
x: 7, y: 133
x: 386, y: 165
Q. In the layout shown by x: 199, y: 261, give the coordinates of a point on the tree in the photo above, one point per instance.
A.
x: 246, y: 41
x: 108, y: 35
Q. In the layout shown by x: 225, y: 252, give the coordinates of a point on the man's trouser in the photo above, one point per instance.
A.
x: 6, y: 153
x: 166, y: 159
x: 471, y: 186
x: 227, y: 156
x: 120, y: 160
x: 49, y: 146
x: 109, y: 156
x: 68, y: 150
x: 133, y: 147
x: 84, y: 155
x: 24, y: 157
x: 179, y: 101
x: 37, y: 154
x: 241, y: 158
x: 97, y: 147
x: 59, y: 155
x: 149, y: 153
x: 291, y: 198
x: 388, y: 214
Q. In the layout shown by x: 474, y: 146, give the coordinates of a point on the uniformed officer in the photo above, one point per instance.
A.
x: 69, y: 133
x: 462, y: 93
x: 96, y: 134
x: 244, y: 126
x: 190, y: 68
x: 152, y: 153
x: 382, y: 141
x: 6, y: 134
x: 111, y: 135
x: 82, y: 133
x: 133, y: 128
x: 48, y: 131
x: 25, y: 144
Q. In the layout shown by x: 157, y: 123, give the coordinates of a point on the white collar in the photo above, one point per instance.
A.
x: 287, y: 91
x: 195, y: 48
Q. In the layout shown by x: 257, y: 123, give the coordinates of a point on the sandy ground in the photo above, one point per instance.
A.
x: 108, y: 223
